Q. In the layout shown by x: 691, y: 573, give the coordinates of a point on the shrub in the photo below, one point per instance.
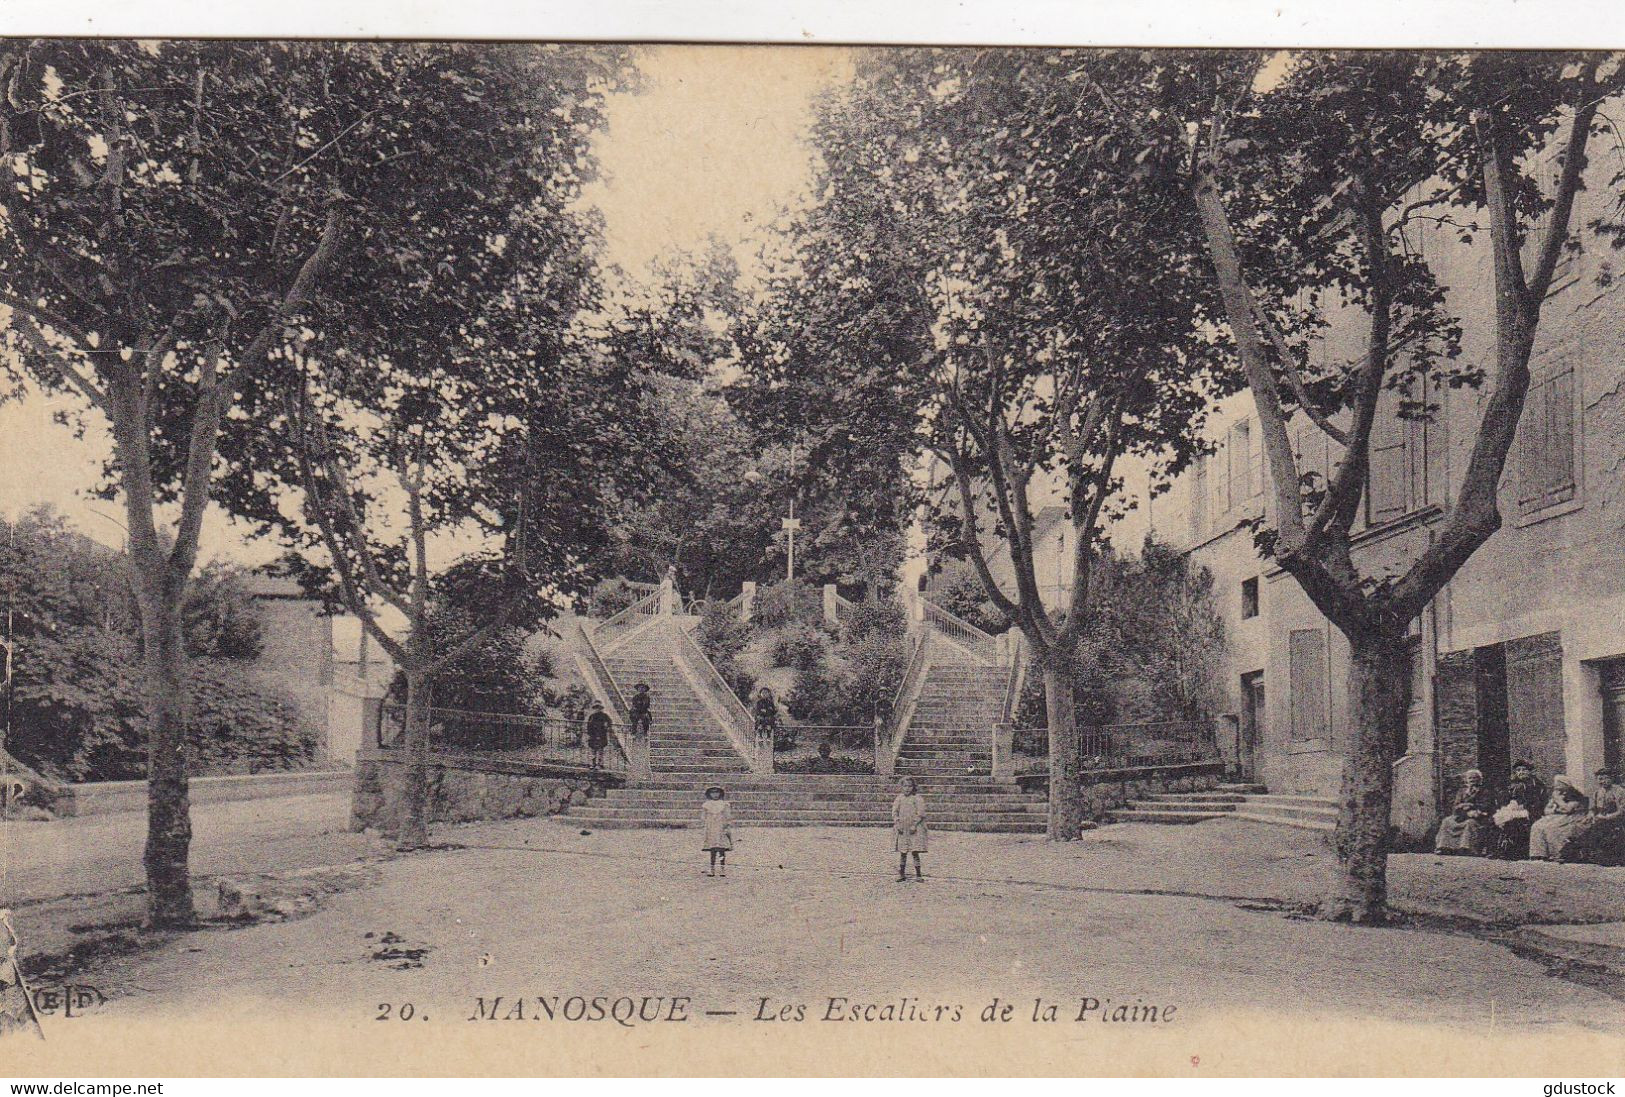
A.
x: 723, y: 636
x: 612, y: 595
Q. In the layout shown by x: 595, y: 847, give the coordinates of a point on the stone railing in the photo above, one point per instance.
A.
x: 602, y: 685
x: 902, y: 710
x: 719, y: 697
x: 613, y: 629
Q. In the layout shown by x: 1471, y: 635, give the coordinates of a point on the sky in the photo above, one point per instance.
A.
x: 712, y: 145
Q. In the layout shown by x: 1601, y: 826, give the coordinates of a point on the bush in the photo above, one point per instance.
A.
x: 786, y: 603
x: 723, y: 636
x: 612, y: 595
x: 79, y: 712
x: 1154, y: 648
x: 820, y: 675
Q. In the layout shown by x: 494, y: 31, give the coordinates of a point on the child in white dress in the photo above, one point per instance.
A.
x: 717, y: 820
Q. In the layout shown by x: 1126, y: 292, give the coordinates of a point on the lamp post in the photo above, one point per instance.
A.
x: 791, y: 524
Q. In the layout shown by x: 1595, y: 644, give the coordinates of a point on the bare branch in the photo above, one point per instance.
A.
x: 1295, y: 381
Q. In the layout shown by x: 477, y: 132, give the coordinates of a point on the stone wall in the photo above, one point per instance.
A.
x: 1103, y: 790
x: 464, y: 789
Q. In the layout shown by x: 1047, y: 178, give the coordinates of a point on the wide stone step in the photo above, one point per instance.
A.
x: 1136, y: 815
x: 1292, y: 811
x: 691, y: 809
x: 1205, y: 797
x: 678, y: 768
x: 1292, y: 800
x: 841, y: 780
x: 1034, y: 827
x: 1302, y: 823
x: 1233, y: 787
x: 1207, y: 807
x: 688, y: 801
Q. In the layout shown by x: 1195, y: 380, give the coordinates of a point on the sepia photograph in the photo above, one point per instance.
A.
x: 561, y: 558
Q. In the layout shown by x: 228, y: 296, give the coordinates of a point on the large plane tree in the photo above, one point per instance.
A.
x: 986, y: 260
x: 1312, y: 174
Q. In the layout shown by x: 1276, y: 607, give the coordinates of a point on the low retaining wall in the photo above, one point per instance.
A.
x: 106, y: 797
x: 1102, y: 790
x: 466, y: 788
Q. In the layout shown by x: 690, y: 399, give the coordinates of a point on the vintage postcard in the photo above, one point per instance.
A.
x: 563, y: 557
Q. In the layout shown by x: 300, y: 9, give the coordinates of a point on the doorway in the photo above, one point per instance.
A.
x: 1252, y: 721
x: 1611, y: 679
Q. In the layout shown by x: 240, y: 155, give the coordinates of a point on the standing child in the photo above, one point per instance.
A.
x: 908, y: 826
x: 642, y: 714
x: 597, y: 734
x: 718, y: 823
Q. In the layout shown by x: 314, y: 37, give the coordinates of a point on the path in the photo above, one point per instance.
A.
x: 533, y: 907
x: 101, y: 853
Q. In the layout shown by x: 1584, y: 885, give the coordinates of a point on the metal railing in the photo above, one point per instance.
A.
x: 1126, y: 746
x: 961, y: 632
x: 512, y: 736
x: 852, y: 748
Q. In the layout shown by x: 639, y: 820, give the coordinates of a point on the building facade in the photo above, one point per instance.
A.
x: 1522, y: 655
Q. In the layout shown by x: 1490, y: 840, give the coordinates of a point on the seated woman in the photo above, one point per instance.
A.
x: 1565, y: 818
x: 1467, y: 829
x: 1527, y: 792
x: 1602, y: 842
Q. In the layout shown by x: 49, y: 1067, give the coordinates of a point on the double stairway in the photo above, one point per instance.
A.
x: 1234, y: 801
x: 946, y: 748
x: 958, y: 690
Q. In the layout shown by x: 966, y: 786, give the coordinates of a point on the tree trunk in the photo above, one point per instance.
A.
x: 1379, y: 695
x: 169, y: 822
x: 1065, y: 803
x: 412, y: 829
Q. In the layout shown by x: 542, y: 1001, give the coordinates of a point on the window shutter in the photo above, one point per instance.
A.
x: 1307, y: 673
x: 1199, y: 499
x: 1390, y: 465
x: 1546, y: 443
x: 1241, y: 451
x: 1559, y: 479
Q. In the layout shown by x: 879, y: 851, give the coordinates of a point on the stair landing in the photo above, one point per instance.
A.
x: 1232, y: 801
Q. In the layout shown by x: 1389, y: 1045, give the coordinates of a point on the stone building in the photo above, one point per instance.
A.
x: 1522, y: 655
x: 297, y: 654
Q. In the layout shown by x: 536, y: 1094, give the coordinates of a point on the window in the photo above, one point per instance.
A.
x: 1249, y: 597
x: 1246, y: 464
x: 1219, y: 485
x: 1546, y: 439
x: 1307, y: 684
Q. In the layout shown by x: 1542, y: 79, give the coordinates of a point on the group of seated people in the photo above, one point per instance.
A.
x: 1527, y: 821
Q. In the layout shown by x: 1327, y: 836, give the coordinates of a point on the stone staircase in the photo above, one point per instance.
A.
x: 1232, y: 802
x: 804, y: 800
x: 684, y: 736
x: 950, y: 729
x: 688, y: 750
